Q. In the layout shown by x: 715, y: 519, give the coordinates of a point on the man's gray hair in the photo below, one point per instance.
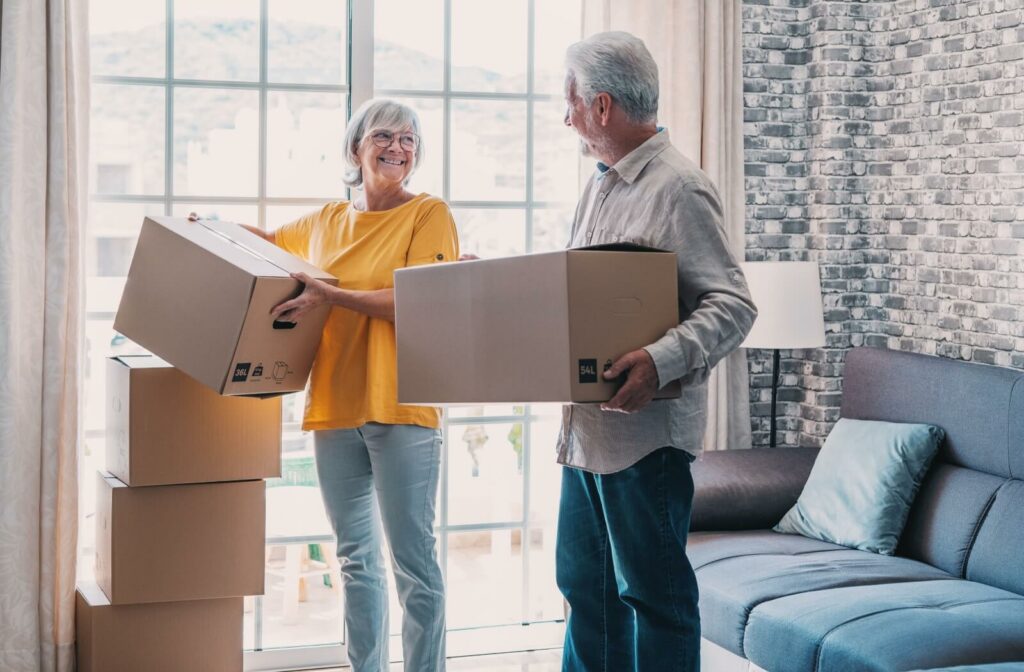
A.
x: 620, y: 65
x: 375, y: 115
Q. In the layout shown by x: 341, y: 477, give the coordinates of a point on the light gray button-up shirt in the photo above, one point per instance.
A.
x: 655, y: 196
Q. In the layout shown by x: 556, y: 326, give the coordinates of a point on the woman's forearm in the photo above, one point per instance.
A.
x: 375, y: 303
x: 265, y: 235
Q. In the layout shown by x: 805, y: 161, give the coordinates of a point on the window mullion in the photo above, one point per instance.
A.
x: 446, y: 113
x: 360, y: 62
x: 527, y: 411
x: 446, y: 116
x: 168, y: 107
x: 261, y: 193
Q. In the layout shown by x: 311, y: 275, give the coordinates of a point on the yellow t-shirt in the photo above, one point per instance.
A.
x: 355, y: 377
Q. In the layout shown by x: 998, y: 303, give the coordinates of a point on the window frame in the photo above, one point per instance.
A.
x: 359, y: 38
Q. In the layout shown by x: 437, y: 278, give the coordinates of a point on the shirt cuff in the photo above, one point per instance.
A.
x: 667, y: 364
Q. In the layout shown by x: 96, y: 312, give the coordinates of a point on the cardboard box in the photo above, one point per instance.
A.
x: 533, y: 328
x: 198, y: 636
x: 199, y: 295
x: 164, y: 428
x: 168, y: 543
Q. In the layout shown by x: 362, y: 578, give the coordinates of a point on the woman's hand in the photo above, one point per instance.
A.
x: 315, y: 293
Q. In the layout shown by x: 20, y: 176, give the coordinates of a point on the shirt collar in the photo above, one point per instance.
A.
x: 629, y: 166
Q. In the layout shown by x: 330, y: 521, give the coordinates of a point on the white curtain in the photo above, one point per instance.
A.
x: 697, y: 45
x: 43, y: 171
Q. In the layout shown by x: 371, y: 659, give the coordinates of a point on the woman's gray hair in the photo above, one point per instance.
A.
x: 374, y: 115
x: 620, y: 65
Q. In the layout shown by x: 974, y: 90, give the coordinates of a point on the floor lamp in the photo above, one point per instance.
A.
x: 789, y: 314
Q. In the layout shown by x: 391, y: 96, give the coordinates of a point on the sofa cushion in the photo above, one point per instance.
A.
x: 736, y: 572
x: 996, y: 557
x: 704, y: 548
x: 887, y: 627
x: 947, y: 515
x: 747, y: 489
x: 981, y: 407
x: 863, y: 483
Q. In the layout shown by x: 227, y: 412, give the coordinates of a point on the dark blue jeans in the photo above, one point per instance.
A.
x: 622, y: 567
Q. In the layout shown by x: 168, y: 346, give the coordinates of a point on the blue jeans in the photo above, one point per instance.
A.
x: 386, y: 474
x: 622, y: 567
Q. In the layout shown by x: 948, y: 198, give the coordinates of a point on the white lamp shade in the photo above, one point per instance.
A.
x: 788, y: 299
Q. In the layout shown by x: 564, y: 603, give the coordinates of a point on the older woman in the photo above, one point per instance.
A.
x: 378, y: 462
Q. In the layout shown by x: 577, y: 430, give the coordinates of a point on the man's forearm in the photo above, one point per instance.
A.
x: 716, y: 328
x: 375, y: 303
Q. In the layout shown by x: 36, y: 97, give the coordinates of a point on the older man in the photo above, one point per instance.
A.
x: 626, y: 484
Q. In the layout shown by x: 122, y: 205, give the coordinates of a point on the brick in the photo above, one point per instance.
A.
x: 1005, y: 119
x: 901, y: 125
x: 984, y: 356
x: 1010, y: 52
x: 801, y: 57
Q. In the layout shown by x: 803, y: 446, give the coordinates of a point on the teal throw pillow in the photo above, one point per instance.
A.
x: 863, y: 483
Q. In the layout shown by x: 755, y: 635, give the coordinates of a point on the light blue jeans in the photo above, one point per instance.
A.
x: 386, y: 474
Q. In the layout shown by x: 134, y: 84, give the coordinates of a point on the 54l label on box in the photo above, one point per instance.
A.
x: 588, y: 370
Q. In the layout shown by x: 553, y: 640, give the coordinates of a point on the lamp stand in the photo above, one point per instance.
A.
x: 775, y: 392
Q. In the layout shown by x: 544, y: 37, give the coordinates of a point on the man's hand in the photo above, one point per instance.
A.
x: 640, y: 386
x: 315, y: 293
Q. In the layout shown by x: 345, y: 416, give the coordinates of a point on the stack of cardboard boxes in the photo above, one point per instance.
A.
x: 181, y: 509
x: 180, y: 518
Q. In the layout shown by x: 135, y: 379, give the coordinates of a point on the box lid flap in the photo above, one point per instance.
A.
x: 217, y: 244
x: 620, y: 247
x: 284, y: 263
x: 239, y: 247
x: 141, y: 361
x: 112, y: 481
x: 92, y: 594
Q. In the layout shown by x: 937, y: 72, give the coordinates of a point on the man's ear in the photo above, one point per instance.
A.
x: 603, y: 106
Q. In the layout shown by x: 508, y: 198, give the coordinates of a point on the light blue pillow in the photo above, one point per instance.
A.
x: 863, y: 483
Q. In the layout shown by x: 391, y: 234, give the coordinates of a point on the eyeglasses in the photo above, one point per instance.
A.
x: 407, y: 141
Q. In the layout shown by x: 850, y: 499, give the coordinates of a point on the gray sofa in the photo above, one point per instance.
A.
x: 953, y: 595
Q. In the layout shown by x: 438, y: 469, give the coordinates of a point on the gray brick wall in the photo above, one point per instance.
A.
x: 883, y: 139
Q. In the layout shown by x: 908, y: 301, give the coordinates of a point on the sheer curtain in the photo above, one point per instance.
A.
x: 697, y: 45
x: 43, y: 169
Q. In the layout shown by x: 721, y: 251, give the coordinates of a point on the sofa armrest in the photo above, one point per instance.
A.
x: 747, y: 489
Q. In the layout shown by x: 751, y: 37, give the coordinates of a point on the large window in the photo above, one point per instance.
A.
x: 236, y: 109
